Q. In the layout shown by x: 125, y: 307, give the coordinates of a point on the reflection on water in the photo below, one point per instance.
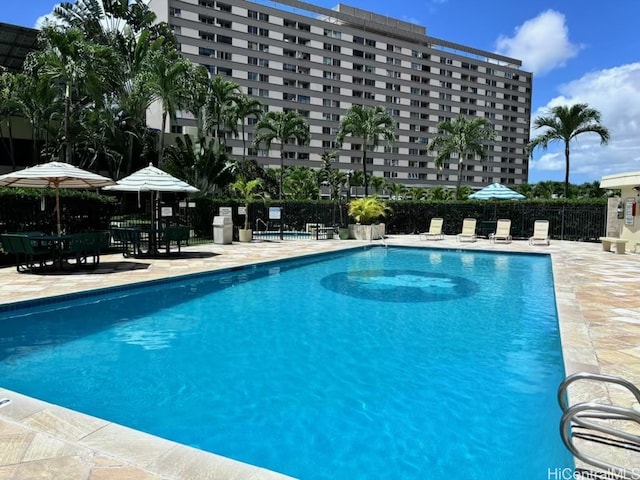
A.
x: 149, y: 337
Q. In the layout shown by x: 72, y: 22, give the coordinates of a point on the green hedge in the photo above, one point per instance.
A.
x: 31, y: 209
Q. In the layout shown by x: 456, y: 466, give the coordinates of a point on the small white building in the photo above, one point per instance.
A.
x: 624, y: 212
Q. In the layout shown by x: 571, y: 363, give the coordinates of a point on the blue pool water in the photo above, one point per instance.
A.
x: 398, y: 363
x: 274, y: 235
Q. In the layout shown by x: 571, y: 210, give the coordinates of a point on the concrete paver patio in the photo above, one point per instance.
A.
x: 598, y: 307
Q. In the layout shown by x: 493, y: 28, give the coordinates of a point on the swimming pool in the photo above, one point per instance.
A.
x: 384, y: 363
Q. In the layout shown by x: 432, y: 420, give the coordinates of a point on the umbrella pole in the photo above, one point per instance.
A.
x: 58, y: 210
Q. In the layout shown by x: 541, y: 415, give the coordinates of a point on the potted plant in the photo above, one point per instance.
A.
x: 365, y: 211
x: 249, y: 191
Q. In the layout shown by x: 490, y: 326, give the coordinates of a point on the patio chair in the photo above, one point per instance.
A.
x: 540, y: 232
x: 503, y: 231
x: 435, y: 230
x: 468, y: 232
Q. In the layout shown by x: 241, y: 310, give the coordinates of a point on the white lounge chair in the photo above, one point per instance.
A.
x: 503, y: 231
x: 468, y: 232
x: 435, y: 230
x: 540, y: 232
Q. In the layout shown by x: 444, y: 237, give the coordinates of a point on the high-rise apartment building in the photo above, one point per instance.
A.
x: 293, y: 55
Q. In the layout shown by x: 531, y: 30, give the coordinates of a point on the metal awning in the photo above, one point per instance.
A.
x: 15, y: 44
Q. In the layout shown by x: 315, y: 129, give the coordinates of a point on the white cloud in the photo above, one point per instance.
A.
x: 47, y: 19
x: 542, y: 43
x: 615, y: 93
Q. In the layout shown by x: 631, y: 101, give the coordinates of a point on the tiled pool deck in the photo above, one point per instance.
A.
x: 598, y: 305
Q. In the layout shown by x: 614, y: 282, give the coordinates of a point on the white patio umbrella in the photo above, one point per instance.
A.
x: 151, y: 179
x: 54, y: 175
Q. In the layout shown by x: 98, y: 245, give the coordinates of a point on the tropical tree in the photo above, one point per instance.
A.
x: 417, y: 193
x: 397, y: 190
x: 377, y: 184
x: 221, y: 115
x: 38, y: 101
x: 8, y: 108
x: 300, y: 183
x: 167, y: 78
x: 282, y: 127
x: 249, y: 191
x: 205, y: 166
x: 461, y: 137
x: 564, y: 123
x: 440, y: 193
x: 245, y: 107
x: 333, y: 178
x: 370, y: 124
x: 85, y: 71
x: 197, y: 97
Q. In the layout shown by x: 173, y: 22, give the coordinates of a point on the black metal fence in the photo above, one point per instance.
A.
x: 569, y: 220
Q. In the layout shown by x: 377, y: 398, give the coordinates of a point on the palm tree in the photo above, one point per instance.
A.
x: 397, y: 190
x: 417, y: 193
x: 282, y: 126
x: 301, y: 183
x: 246, y: 107
x: 249, y: 191
x: 378, y: 184
x: 370, y: 124
x: 85, y: 70
x: 9, y: 108
x: 220, y: 107
x: 38, y: 101
x: 461, y: 136
x: 167, y: 79
x: 440, y: 193
x: 564, y: 123
x: 197, y: 96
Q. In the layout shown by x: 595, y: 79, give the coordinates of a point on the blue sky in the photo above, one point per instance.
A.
x: 579, y: 52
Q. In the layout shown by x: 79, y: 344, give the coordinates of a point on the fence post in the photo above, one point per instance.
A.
x: 562, y: 223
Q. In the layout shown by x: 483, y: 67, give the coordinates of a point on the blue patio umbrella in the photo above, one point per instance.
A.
x: 496, y: 191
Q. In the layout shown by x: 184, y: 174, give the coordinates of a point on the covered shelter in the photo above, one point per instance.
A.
x: 16, y: 43
x: 623, y: 210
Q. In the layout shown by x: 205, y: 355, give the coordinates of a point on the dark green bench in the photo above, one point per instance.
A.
x: 177, y: 235
x: 29, y: 255
x: 130, y: 240
x: 82, y: 246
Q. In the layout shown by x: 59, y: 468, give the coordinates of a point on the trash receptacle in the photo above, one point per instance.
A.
x: 222, y: 230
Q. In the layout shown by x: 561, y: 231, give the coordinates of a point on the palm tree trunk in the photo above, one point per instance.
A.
x: 281, y: 168
x: 566, y: 174
x: 244, y: 146
x: 364, y: 171
x: 67, y: 124
x: 459, y: 180
x: 161, y: 142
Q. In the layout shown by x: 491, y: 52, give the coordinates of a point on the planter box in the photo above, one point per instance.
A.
x: 367, y: 232
x: 245, y: 235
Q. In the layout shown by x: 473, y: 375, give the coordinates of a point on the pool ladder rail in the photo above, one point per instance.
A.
x: 258, y: 221
x: 605, y: 424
